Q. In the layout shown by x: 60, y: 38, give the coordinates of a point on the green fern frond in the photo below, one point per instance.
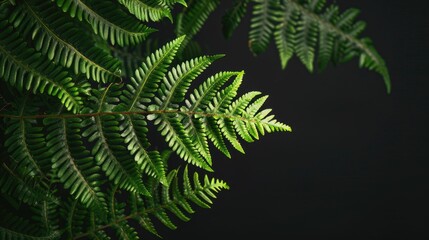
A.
x: 58, y: 37
x: 15, y: 227
x: 172, y: 2
x: 136, y: 97
x: 46, y: 216
x: 233, y: 17
x: 72, y: 162
x: 262, y: 25
x: 109, y: 149
x: 153, y: 10
x: 22, y: 188
x: 25, y: 143
x: 107, y: 20
x: 9, y: 234
x: 25, y: 69
x: 75, y: 216
x: 307, y: 27
x: 191, y: 20
x: 106, y: 145
x: 166, y: 200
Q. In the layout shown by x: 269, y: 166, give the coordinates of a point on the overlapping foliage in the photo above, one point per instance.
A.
x: 314, y: 31
x: 78, y: 140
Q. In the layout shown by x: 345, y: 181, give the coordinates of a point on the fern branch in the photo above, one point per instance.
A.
x: 16, y: 235
x: 27, y: 70
x: 107, y: 20
x: 147, y: 10
x: 360, y: 44
x: 192, y: 193
x: 51, y: 31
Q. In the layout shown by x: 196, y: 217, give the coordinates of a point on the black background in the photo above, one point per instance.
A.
x: 356, y: 163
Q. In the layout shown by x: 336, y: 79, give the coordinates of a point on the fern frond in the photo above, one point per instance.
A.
x: 22, y: 188
x: 58, y: 37
x: 190, y: 21
x: 136, y: 96
x: 46, y: 216
x: 75, y: 216
x: 25, y: 69
x: 172, y: 199
x: 262, y: 25
x: 233, y: 16
x: 6, y: 233
x: 107, y: 20
x: 25, y: 143
x: 109, y: 149
x: 153, y: 10
x: 15, y: 227
x: 172, y: 2
x: 72, y: 162
x: 307, y: 25
x: 284, y: 34
x: 172, y: 91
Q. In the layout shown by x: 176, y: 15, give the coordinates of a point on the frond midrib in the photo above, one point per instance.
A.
x: 128, y: 113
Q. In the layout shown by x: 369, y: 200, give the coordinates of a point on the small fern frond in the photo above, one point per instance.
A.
x: 25, y: 69
x: 107, y: 20
x: 151, y: 10
x: 72, y: 162
x: 75, y: 216
x: 233, y: 17
x: 16, y: 227
x: 191, y: 20
x: 109, y: 151
x: 172, y: 199
x: 25, y: 143
x: 147, y: 77
x: 262, y: 25
x: 136, y: 97
x: 21, y: 187
x: 10, y: 234
x: 46, y: 216
x: 57, y: 36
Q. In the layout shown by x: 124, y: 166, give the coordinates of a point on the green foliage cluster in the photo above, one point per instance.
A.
x: 314, y: 31
x: 78, y: 153
x: 83, y: 104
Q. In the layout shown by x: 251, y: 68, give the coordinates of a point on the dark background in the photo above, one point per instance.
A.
x: 356, y: 163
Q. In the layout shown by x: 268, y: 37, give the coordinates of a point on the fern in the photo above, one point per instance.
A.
x: 107, y: 20
x: 104, y: 144
x: 191, y: 20
x: 58, y: 36
x: 312, y: 30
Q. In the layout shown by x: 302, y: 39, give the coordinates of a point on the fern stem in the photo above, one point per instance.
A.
x: 148, y: 112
